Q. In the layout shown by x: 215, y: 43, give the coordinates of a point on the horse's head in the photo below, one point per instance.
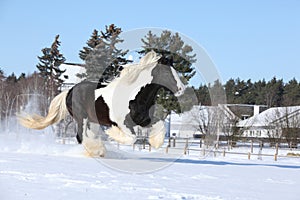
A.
x: 167, y: 77
x: 152, y: 68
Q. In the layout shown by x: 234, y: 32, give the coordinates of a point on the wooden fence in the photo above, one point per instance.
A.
x: 187, y: 145
x: 191, y: 144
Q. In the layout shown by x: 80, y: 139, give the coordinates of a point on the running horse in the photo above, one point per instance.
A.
x: 123, y: 105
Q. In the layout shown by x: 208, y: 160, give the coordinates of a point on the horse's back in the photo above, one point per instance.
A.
x: 80, y: 97
x: 81, y: 103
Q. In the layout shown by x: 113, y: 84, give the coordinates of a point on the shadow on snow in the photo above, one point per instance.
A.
x: 217, y: 163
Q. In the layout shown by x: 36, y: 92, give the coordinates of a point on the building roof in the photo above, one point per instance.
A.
x: 269, y: 116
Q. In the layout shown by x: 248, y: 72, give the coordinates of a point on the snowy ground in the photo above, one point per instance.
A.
x: 35, y: 167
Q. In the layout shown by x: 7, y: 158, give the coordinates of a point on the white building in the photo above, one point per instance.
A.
x: 271, y: 122
x: 252, y: 120
x: 70, y: 76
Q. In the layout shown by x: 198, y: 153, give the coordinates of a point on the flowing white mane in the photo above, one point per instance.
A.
x: 132, y: 71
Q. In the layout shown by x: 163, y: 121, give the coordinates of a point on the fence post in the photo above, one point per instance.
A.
x: 249, y: 155
x: 174, y: 142
x: 186, y: 146
x: 169, y: 142
x: 167, y: 149
x: 276, y: 152
x: 149, y: 147
x: 223, y: 152
x: 251, y: 146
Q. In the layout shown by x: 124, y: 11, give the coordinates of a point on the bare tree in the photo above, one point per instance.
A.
x: 289, y: 123
x: 207, y: 120
x: 284, y: 123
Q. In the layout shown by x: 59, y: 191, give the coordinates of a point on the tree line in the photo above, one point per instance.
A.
x: 272, y: 93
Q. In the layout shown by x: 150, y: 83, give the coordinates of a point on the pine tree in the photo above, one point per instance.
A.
x: 173, y: 50
x: 216, y: 92
x: 102, y: 58
x: 11, y: 79
x: 176, y: 53
x: 274, y: 92
x: 291, y: 94
x: 260, y: 90
x: 49, y: 68
x: 91, y: 44
x: 1, y: 75
x: 203, y: 95
x: 231, y: 93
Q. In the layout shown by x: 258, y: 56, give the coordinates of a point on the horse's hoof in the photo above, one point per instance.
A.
x: 156, y: 140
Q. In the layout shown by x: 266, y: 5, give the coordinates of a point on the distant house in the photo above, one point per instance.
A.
x: 70, y: 76
x: 245, y: 111
x: 221, y: 120
x: 273, y: 122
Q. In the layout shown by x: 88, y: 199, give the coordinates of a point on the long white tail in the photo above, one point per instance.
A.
x: 57, y: 111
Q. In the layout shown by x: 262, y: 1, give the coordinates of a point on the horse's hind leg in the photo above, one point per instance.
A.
x: 79, y: 131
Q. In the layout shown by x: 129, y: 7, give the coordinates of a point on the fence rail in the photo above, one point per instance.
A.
x: 186, y: 145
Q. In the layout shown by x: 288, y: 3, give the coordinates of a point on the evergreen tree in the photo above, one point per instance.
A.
x: 274, y: 92
x: 176, y: 53
x: 91, y: 44
x: 173, y: 50
x: 22, y: 77
x: 260, y: 90
x: 231, y: 91
x: 102, y: 58
x: 2, y: 77
x: 291, y: 94
x: 203, y: 96
x: 249, y: 93
x: 49, y: 68
x: 11, y: 79
x: 216, y: 92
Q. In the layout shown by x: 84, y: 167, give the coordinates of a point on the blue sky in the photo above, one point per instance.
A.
x: 245, y: 39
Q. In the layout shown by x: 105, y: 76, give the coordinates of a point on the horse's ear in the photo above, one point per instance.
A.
x: 150, y: 57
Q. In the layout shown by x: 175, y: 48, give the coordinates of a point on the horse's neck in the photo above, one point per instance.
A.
x: 147, y: 95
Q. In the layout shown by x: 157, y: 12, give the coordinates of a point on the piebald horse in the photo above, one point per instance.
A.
x: 122, y: 105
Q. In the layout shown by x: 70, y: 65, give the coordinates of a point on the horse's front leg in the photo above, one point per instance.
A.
x: 121, y: 134
x: 92, y: 143
x: 157, y: 134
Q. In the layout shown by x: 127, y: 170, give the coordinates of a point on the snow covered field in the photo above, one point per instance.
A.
x: 34, y: 166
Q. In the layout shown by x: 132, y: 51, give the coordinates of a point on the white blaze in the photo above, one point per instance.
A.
x: 180, y: 85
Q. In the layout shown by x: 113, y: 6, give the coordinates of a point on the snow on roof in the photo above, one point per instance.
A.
x: 69, y: 77
x: 270, y: 115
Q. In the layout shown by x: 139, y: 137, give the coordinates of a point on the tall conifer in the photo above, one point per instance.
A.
x: 49, y: 67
